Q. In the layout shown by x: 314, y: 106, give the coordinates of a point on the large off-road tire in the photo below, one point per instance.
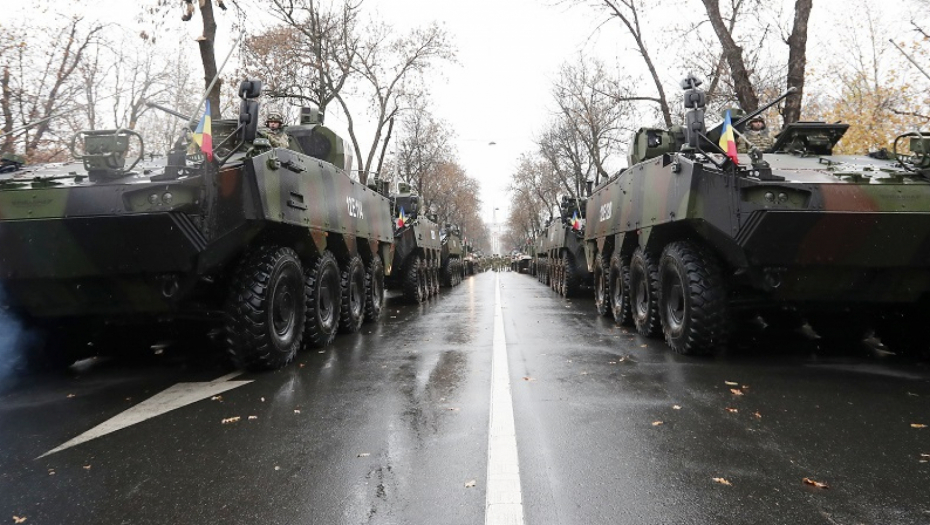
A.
x: 424, y: 279
x: 413, y: 280
x: 324, y: 300
x: 374, y: 289
x: 644, y: 293
x: 692, y: 299
x: 601, y: 288
x: 618, y: 281
x: 571, y: 283
x: 352, y: 283
x: 447, y: 274
x: 265, y: 310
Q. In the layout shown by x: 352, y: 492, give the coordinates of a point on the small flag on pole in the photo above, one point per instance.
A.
x: 203, y: 135
x: 576, y: 222
x: 727, y: 142
x: 401, y: 218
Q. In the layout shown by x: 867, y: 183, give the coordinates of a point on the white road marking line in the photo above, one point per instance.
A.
x: 177, y: 396
x: 504, y: 503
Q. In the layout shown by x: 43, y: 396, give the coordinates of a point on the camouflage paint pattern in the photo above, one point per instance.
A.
x: 419, y: 236
x: 836, y: 228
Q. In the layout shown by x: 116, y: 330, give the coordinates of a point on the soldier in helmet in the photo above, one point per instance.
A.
x: 275, y: 131
x: 756, y: 134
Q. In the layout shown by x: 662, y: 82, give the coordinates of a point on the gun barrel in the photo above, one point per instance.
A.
x: 759, y: 111
x: 169, y: 111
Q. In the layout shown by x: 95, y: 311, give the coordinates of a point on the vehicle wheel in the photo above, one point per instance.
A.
x: 693, y: 299
x: 447, y: 274
x: 601, y: 295
x: 412, y: 280
x: 571, y: 283
x: 374, y: 289
x: 644, y: 288
x: 265, y: 311
x: 424, y: 280
x: 323, y: 297
x: 618, y: 289
x: 352, y: 313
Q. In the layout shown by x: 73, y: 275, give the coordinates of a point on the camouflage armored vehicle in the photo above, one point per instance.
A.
x: 417, y: 248
x: 692, y: 239
x: 560, y: 253
x: 279, y: 246
x: 452, y: 269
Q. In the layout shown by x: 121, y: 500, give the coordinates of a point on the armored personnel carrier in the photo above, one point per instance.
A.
x: 417, y: 248
x: 560, y: 251
x: 452, y: 269
x: 691, y: 238
x: 279, y: 246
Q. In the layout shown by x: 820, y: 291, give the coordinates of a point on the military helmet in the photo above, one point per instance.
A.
x: 274, y: 117
x: 758, y: 118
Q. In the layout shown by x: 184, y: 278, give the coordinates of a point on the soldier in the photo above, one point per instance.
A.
x: 757, y: 135
x: 275, y: 132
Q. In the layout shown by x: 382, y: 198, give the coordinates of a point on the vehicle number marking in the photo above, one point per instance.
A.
x: 606, y: 211
x: 355, y: 208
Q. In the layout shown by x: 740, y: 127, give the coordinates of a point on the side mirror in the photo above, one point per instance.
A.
x: 248, y: 119
x: 250, y: 89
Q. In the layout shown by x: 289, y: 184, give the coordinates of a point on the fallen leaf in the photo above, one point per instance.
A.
x: 745, y: 387
x: 252, y: 417
x: 277, y: 467
x: 731, y: 383
x: 643, y: 346
x: 322, y: 352
x: 86, y: 467
x: 758, y: 415
x: 918, y: 425
x: 51, y: 472
x: 263, y: 400
x: 731, y: 410
x: 611, y: 362
x: 300, y: 365
x: 657, y: 423
x: 363, y: 455
x: 453, y: 409
x: 912, y: 394
x: 216, y: 398
x: 17, y: 519
x: 736, y: 392
x: 676, y: 407
x: 297, y: 411
x: 723, y: 481
x: 819, y: 485
x: 528, y: 378
x: 70, y: 396
x: 470, y: 484
x: 231, y: 420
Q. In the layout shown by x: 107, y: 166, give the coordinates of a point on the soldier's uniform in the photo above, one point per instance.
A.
x: 275, y: 135
x: 760, y: 138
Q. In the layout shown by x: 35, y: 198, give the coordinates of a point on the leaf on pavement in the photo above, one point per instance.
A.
x: 723, y: 481
x: 86, y: 467
x: 216, y: 398
x: 676, y: 407
x: 528, y: 378
x: 658, y: 423
x: 731, y: 383
x: 643, y: 346
x: 296, y: 411
x: 731, y: 410
x: 924, y: 458
x: 918, y: 425
x: 70, y: 396
x: 745, y: 387
x: 471, y: 483
x: 736, y: 391
x: 229, y: 420
x: 252, y: 418
x: 758, y: 415
x: 819, y: 485
x: 17, y: 519
x: 611, y: 362
x: 363, y: 455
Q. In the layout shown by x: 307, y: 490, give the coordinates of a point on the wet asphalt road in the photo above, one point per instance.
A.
x: 391, y: 426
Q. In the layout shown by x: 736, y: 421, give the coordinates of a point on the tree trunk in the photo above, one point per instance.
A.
x: 384, y: 146
x: 745, y: 93
x: 797, y: 59
x: 208, y: 58
x: 6, y: 104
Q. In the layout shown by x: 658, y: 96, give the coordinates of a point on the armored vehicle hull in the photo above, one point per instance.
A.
x: 417, y: 258
x: 281, y: 248
x: 452, y: 265
x: 690, y: 245
x: 560, y: 260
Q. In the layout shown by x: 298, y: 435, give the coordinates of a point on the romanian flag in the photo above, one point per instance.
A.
x: 203, y: 135
x: 576, y: 221
x: 727, y: 142
x: 401, y: 218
